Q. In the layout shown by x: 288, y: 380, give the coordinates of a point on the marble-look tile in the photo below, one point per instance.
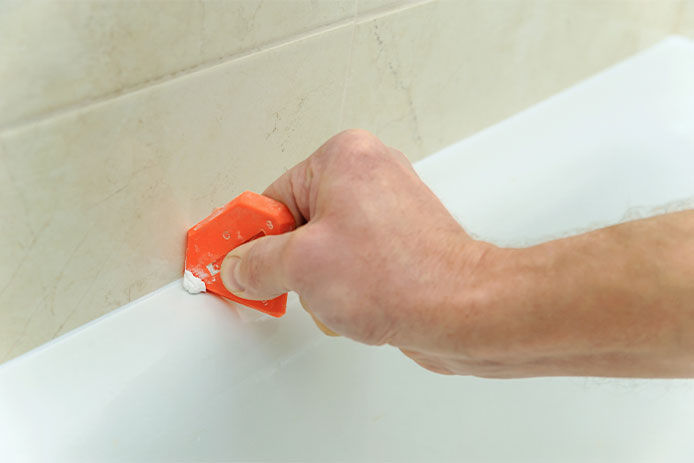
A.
x: 428, y: 75
x: 61, y: 53
x: 96, y: 202
x: 377, y: 6
x: 685, y: 22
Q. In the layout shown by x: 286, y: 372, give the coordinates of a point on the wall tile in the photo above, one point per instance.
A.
x: 685, y: 23
x: 101, y: 198
x: 95, y: 199
x: 431, y: 74
x: 368, y: 6
x: 112, y: 45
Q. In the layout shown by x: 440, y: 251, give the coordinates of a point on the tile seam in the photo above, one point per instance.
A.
x: 70, y: 108
x: 389, y: 10
x: 172, y: 76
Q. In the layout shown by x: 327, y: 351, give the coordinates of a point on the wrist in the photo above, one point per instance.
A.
x: 513, y: 314
x: 586, y: 305
x: 613, y: 302
x: 490, y: 318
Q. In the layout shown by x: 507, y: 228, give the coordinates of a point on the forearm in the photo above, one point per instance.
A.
x: 614, y: 302
x: 379, y: 259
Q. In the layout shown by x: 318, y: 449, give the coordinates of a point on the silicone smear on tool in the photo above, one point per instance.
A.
x: 246, y: 217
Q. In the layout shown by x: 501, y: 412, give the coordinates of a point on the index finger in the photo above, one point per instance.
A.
x: 298, y: 187
x: 293, y: 190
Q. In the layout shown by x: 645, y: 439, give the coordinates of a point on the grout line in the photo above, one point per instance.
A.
x: 393, y: 9
x: 210, y: 64
x: 63, y: 337
x: 172, y: 76
x: 348, y: 71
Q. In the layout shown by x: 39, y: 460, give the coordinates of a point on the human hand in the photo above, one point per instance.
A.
x: 376, y: 257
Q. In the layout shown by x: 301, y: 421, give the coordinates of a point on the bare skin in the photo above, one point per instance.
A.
x: 378, y: 258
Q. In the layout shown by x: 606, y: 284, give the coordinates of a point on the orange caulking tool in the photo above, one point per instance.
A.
x: 245, y: 218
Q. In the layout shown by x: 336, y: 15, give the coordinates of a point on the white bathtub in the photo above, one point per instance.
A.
x: 175, y: 377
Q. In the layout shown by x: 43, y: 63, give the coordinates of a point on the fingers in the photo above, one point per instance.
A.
x: 318, y: 323
x: 256, y: 270
x: 428, y: 362
x: 296, y: 188
x: 292, y: 189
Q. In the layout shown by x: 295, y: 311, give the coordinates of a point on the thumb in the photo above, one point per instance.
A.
x: 255, y: 269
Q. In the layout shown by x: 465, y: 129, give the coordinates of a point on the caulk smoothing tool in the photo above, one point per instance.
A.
x: 245, y: 218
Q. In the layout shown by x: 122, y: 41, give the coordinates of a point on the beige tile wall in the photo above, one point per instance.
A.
x: 124, y: 123
x: 447, y: 69
x: 685, y: 19
x: 76, y: 51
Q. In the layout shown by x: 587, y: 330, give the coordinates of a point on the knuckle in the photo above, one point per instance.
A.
x: 356, y: 143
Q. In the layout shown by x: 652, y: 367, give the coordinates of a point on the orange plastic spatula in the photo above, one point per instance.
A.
x: 246, y: 217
